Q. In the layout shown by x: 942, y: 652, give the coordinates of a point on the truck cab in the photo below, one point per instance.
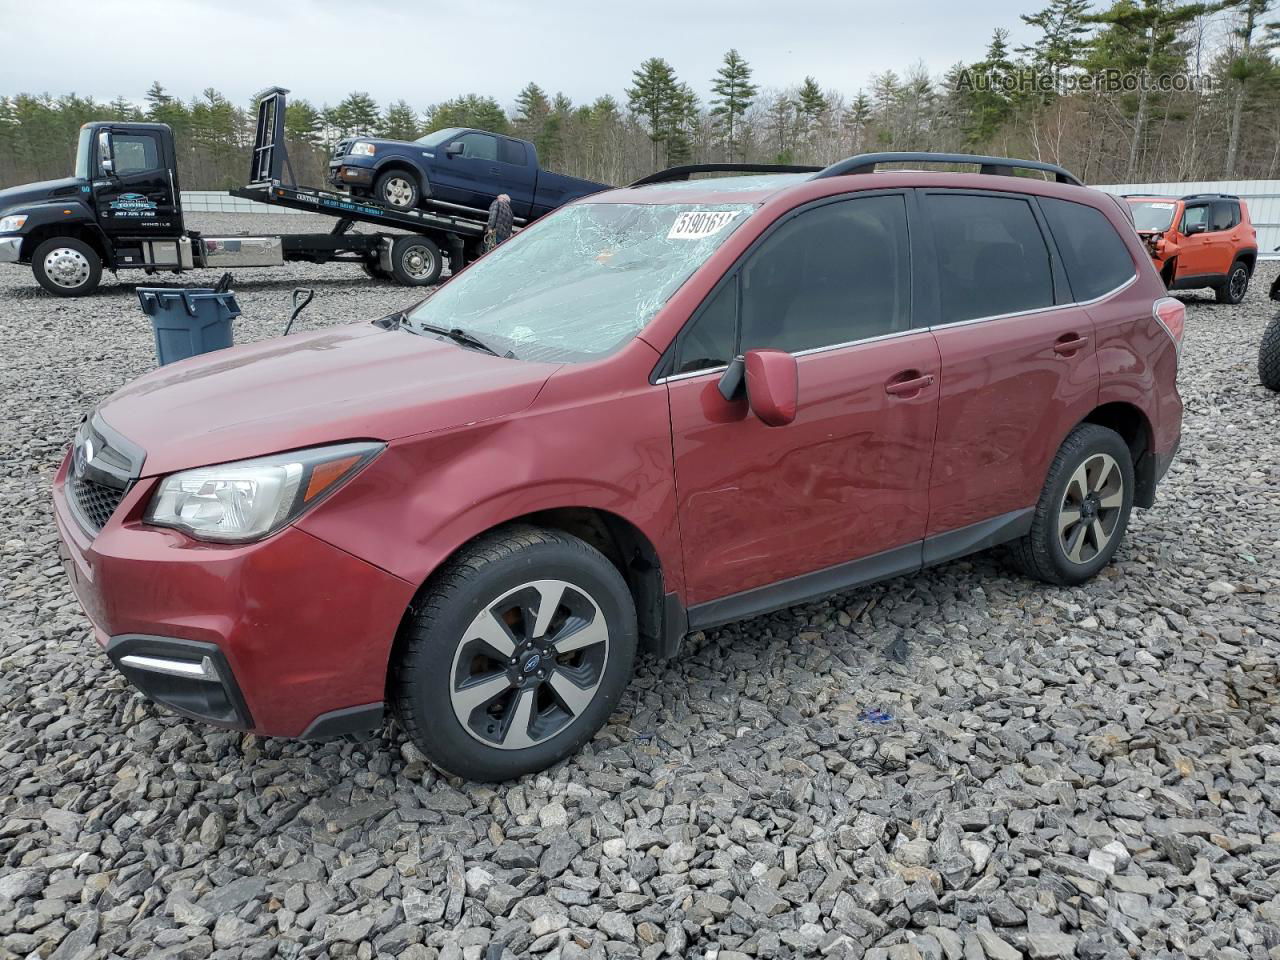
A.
x: 120, y: 208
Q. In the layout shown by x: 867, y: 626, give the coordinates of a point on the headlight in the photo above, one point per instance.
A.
x: 13, y: 224
x: 248, y: 500
x: 362, y: 149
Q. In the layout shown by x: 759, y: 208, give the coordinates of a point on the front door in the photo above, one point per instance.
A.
x: 471, y: 170
x: 847, y: 480
x: 1207, y: 254
x: 133, y: 187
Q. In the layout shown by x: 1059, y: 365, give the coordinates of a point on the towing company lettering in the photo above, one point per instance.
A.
x: 132, y: 206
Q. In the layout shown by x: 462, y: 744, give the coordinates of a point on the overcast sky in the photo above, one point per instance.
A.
x: 428, y: 51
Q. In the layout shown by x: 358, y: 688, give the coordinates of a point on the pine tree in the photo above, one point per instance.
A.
x: 532, y: 110
x: 302, y: 123
x: 357, y: 114
x: 401, y: 122
x: 656, y: 97
x: 1142, y: 38
x: 1063, y: 38
x: 734, y: 93
x: 1244, y: 69
x: 122, y: 109
x: 469, y: 110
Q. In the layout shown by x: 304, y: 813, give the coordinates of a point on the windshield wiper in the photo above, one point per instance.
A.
x: 458, y: 335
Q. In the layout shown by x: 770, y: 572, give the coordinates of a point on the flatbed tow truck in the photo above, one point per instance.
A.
x: 122, y: 210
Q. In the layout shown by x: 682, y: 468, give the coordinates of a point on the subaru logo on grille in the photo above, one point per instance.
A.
x: 531, y: 664
x: 82, y: 457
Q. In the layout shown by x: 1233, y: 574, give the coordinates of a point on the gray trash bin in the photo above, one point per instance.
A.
x: 188, y: 321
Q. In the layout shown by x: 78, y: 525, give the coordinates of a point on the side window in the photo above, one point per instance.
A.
x: 708, y: 341
x: 479, y: 146
x: 511, y: 151
x: 992, y: 257
x: 135, y: 153
x: 833, y: 274
x: 1195, y: 216
x: 1096, y: 259
x: 1225, y: 215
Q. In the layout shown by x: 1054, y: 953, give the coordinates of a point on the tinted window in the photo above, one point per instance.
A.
x: 511, y: 151
x: 1225, y: 215
x: 479, y: 146
x: 834, y: 274
x: 1096, y: 259
x: 708, y: 341
x: 992, y: 258
x: 135, y: 153
x: 1195, y: 216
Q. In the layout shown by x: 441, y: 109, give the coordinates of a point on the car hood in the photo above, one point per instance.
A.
x: 345, y: 383
x: 29, y: 193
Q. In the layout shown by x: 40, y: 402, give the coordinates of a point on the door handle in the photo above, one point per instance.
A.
x: 494, y: 170
x: 909, y: 387
x: 1070, y: 344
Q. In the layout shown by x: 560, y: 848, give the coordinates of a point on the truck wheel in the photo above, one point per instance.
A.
x: 515, y: 655
x: 1083, y: 510
x: 1269, y: 355
x: 415, y: 261
x: 397, y: 190
x: 67, y: 267
x: 1233, y: 289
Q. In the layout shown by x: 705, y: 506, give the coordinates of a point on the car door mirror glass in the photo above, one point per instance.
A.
x: 105, y: 161
x: 773, y: 386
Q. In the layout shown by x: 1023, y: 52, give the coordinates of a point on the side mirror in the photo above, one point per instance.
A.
x: 109, y: 167
x: 773, y: 386
x: 1193, y: 229
x: 453, y: 150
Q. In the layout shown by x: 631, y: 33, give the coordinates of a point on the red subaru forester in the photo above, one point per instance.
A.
x: 657, y: 410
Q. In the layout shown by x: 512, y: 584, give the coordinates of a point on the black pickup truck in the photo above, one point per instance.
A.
x: 457, y: 169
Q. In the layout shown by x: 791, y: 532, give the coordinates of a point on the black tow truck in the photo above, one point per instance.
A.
x: 122, y: 210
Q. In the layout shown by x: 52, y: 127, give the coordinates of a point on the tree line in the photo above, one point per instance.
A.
x: 1140, y: 90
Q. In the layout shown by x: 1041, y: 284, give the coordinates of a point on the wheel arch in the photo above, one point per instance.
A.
x: 1249, y: 257
x: 1133, y: 426
x: 86, y: 232
x: 404, y: 166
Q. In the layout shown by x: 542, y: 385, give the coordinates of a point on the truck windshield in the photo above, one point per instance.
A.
x: 581, y: 282
x: 437, y: 137
x: 82, y: 154
x: 1151, y: 215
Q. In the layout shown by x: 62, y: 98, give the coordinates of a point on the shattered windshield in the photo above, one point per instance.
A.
x: 584, y: 280
x: 1151, y: 215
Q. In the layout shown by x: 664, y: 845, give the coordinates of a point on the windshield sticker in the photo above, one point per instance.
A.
x: 1160, y: 206
x: 698, y: 224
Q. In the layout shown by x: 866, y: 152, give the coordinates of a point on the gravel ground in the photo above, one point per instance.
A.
x: 963, y: 764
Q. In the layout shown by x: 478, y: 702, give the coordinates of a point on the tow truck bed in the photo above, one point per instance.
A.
x: 362, y: 211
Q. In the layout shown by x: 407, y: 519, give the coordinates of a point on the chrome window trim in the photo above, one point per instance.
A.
x: 1052, y: 308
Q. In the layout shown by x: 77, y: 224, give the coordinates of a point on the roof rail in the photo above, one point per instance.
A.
x: 1210, y: 196
x: 867, y: 163
x: 686, y: 170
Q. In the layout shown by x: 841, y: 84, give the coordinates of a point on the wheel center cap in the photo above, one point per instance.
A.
x: 531, y: 662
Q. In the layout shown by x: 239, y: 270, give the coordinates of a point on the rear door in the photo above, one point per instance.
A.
x: 846, y: 481
x: 136, y: 198
x: 1019, y: 367
x: 516, y: 174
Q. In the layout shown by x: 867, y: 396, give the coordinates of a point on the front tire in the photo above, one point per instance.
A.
x: 1083, y: 511
x: 1235, y: 286
x: 397, y: 190
x: 1269, y: 355
x: 67, y: 267
x: 516, y: 654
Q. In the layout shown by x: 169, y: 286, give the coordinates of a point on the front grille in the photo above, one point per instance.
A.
x: 95, y: 502
x: 340, y: 150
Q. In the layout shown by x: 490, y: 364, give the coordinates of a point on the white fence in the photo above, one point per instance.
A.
x: 1261, y: 196
x: 215, y: 201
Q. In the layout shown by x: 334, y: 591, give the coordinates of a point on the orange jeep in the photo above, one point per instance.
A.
x: 1201, y: 240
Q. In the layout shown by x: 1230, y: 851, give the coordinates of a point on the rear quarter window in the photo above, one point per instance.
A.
x: 1095, y: 257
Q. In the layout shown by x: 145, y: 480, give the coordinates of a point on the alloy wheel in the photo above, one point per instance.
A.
x: 1091, y: 508
x: 1238, y: 283
x: 529, y: 664
x: 66, y: 267
x: 398, y: 192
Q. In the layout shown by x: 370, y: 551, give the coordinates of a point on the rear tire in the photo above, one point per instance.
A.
x: 397, y: 190
x: 1083, y: 511
x: 1269, y: 355
x: 1233, y: 289
x: 67, y: 267
x: 415, y: 261
x: 515, y: 655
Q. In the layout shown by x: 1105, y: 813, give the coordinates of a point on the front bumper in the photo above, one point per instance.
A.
x: 10, y: 249
x: 345, y: 175
x: 286, y: 637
